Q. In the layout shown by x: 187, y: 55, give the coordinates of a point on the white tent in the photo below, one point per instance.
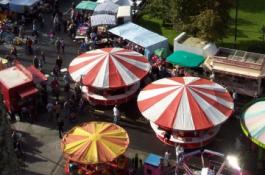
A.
x: 4, y: 2
x: 141, y: 36
x: 125, y: 13
x: 103, y: 19
x: 121, y: 2
x: 19, y: 6
x: 107, y: 7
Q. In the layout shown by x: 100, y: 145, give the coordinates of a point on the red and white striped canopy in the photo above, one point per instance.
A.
x: 109, y: 68
x: 185, y: 103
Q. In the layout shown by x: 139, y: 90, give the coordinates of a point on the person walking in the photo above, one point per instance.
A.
x: 62, y: 45
x: 43, y: 57
x: 59, y: 62
x: 50, y: 108
x: 57, y: 45
x: 57, y: 109
x: 116, y: 114
x: 36, y: 62
x: 60, y: 124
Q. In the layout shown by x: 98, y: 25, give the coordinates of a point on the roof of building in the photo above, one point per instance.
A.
x: 194, y: 42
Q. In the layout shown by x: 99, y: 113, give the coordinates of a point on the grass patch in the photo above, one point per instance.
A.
x: 251, y: 15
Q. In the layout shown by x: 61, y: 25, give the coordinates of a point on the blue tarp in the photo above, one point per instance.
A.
x: 141, y: 36
x: 20, y: 5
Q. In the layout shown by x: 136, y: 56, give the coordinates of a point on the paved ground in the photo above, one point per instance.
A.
x: 42, y: 144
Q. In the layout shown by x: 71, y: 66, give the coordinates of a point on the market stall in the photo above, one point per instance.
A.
x: 122, y: 2
x: 103, y: 19
x: 95, y: 146
x: 191, y: 109
x: 4, y: 3
x: 107, y: 7
x: 20, y: 6
x: 17, y: 86
x: 86, y: 5
x: 232, y: 68
x: 185, y: 59
x: 109, y: 76
x: 150, y: 41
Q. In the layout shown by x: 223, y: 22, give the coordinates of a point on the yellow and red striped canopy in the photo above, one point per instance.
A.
x: 95, y: 142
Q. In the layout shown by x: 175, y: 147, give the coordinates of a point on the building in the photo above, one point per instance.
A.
x: 194, y: 45
x: 238, y: 70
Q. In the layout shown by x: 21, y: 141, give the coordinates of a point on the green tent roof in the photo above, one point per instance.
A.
x: 185, y: 59
x: 86, y: 5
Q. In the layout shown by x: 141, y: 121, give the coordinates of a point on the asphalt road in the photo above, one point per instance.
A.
x: 42, y: 144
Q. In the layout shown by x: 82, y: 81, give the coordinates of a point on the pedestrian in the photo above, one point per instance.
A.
x: 62, y: 45
x: 166, y: 158
x: 49, y: 108
x: 66, y: 80
x: 43, y: 57
x: 18, y: 149
x: 57, y: 109
x: 55, y: 22
x: 55, y: 86
x: 59, y: 62
x: 21, y: 31
x: 55, y: 70
x: 13, y: 51
x: 60, y: 124
x: 167, y: 136
x: 29, y: 46
x: 36, y: 62
x: 57, y: 45
x: 40, y: 63
x: 24, y: 113
x: 136, y: 160
x: 116, y: 114
x: 66, y: 108
x: 34, y: 28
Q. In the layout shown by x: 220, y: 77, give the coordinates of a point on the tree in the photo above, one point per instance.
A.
x: 208, y: 19
x: 207, y: 26
x: 159, y: 9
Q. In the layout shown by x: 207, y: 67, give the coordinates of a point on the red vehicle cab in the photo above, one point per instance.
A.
x: 16, y: 85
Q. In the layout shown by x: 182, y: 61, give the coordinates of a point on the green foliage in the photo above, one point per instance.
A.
x: 208, y: 19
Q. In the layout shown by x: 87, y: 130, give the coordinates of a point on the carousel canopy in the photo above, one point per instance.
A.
x: 94, y: 142
x: 102, y: 19
x: 107, y: 7
x: 109, y: 68
x: 253, y: 122
x: 185, y: 59
x: 86, y: 5
x: 185, y: 103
